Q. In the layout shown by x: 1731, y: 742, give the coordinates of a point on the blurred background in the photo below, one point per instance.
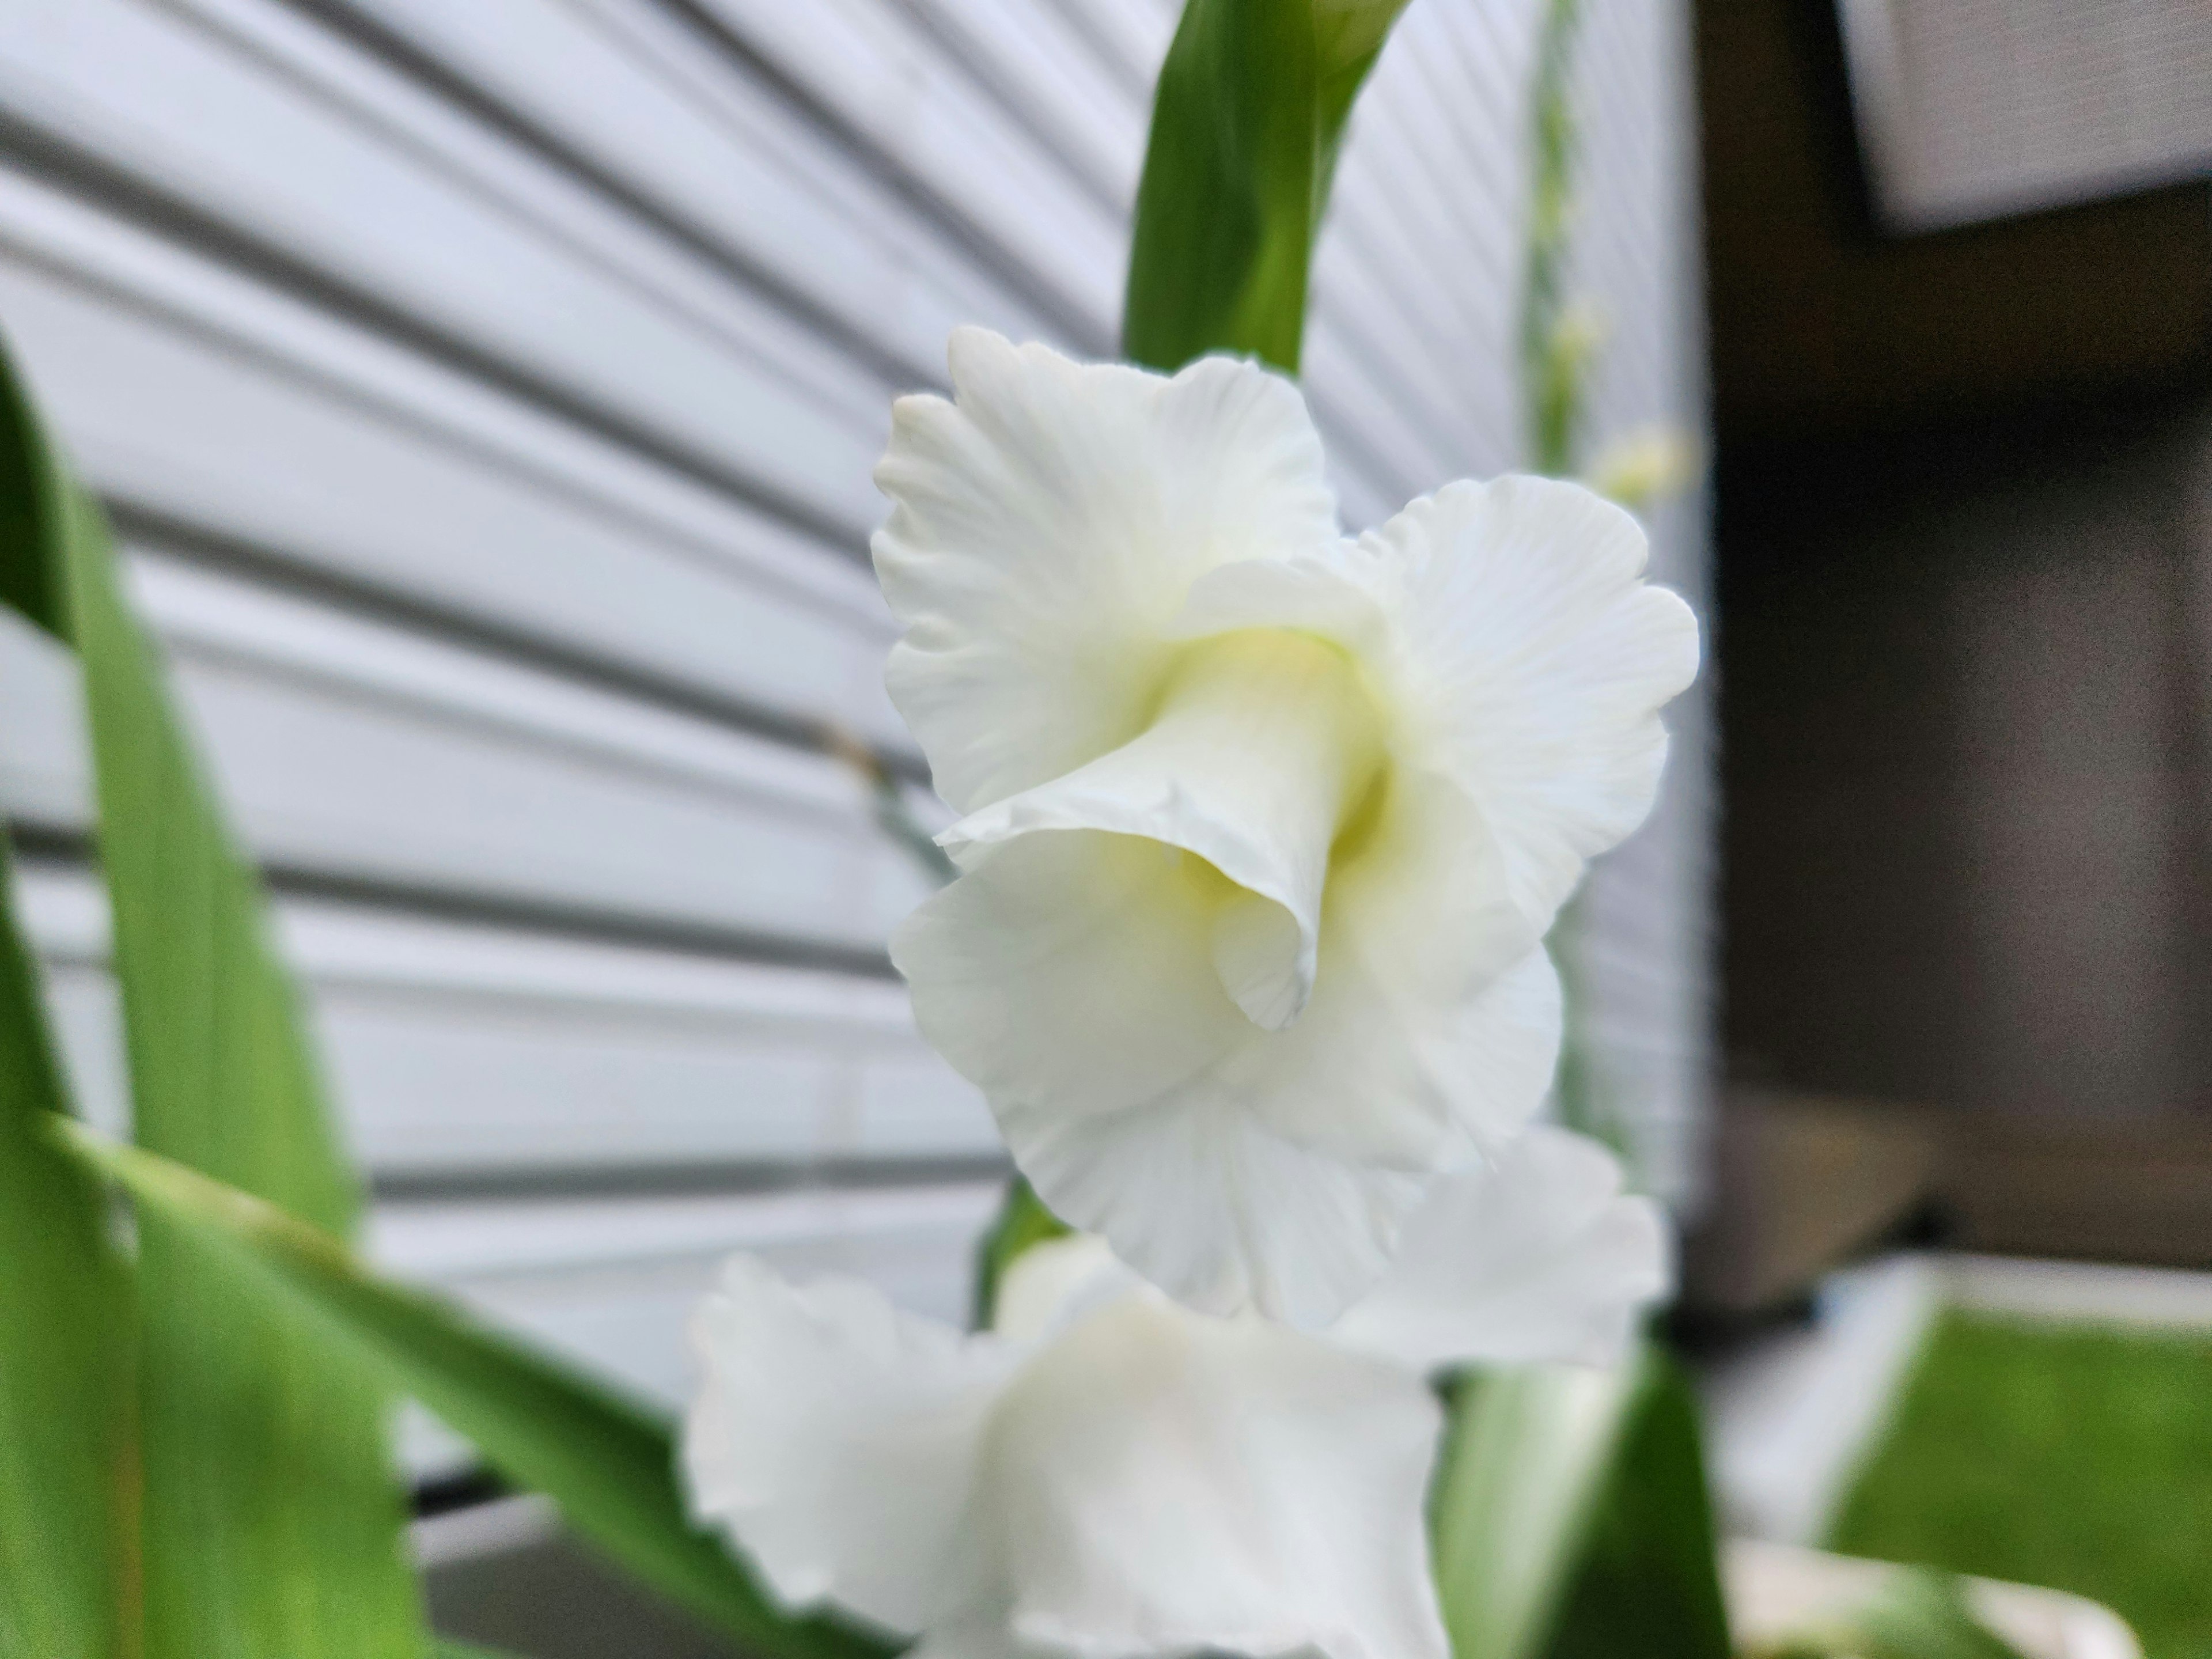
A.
x: 486, y: 394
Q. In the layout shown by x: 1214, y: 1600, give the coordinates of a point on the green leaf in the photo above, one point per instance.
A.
x: 33, y: 494
x: 1555, y: 348
x: 1649, y: 1578
x: 65, y: 1356
x: 1022, y: 1221
x: 1570, y: 1518
x: 610, y: 1463
x: 1524, y: 1462
x: 272, y: 1524
x: 1250, y: 108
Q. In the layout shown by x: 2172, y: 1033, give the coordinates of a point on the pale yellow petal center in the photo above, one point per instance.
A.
x: 1274, y: 730
x: 1261, y: 758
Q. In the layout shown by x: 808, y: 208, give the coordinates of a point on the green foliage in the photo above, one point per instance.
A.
x: 1524, y: 1462
x: 33, y: 500
x: 65, y: 1357
x: 1554, y: 348
x: 271, y: 1527
x: 1246, y: 124
x: 2075, y: 1456
x: 609, y: 1462
x: 1022, y: 1221
x: 1648, y: 1579
x: 1570, y: 1516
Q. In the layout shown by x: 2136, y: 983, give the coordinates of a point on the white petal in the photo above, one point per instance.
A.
x: 1222, y: 1213
x: 1538, y: 1256
x: 978, y: 1633
x: 1168, y: 1484
x: 1434, y: 1028
x: 1071, y: 975
x: 1505, y: 1050
x: 1539, y: 662
x: 1046, y: 526
x: 1051, y: 1285
x: 837, y: 1440
x: 1331, y: 591
x: 1420, y: 921
x: 1263, y: 745
x: 1072, y: 969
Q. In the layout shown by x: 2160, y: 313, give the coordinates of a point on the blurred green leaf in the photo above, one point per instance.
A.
x: 1556, y: 344
x: 1250, y: 112
x: 33, y: 498
x: 1022, y: 1221
x: 1570, y: 1518
x: 1648, y: 1581
x: 610, y: 1463
x: 1524, y: 1462
x: 272, y: 1526
x: 65, y: 1356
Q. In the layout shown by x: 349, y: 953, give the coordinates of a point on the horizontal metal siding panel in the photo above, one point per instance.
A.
x: 557, y: 112
x: 292, y: 187
x: 1426, y: 220
x: 866, y: 64
x: 492, y: 43
x: 512, y: 171
x: 357, y: 754
x: 1647, y: 952
x: 275, y: 469
x: 698, y: 64
x: 471, y: 1059
x: 1033, y: 63
x: 488, y: 1245
x: 622, y: 1305
x: 1127, y: 38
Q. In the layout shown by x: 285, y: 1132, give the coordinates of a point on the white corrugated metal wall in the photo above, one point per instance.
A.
x: 486, y: 395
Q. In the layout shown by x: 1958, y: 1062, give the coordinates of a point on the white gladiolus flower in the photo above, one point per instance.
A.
x: 1108, y: 1474
x: 1264, y: 826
